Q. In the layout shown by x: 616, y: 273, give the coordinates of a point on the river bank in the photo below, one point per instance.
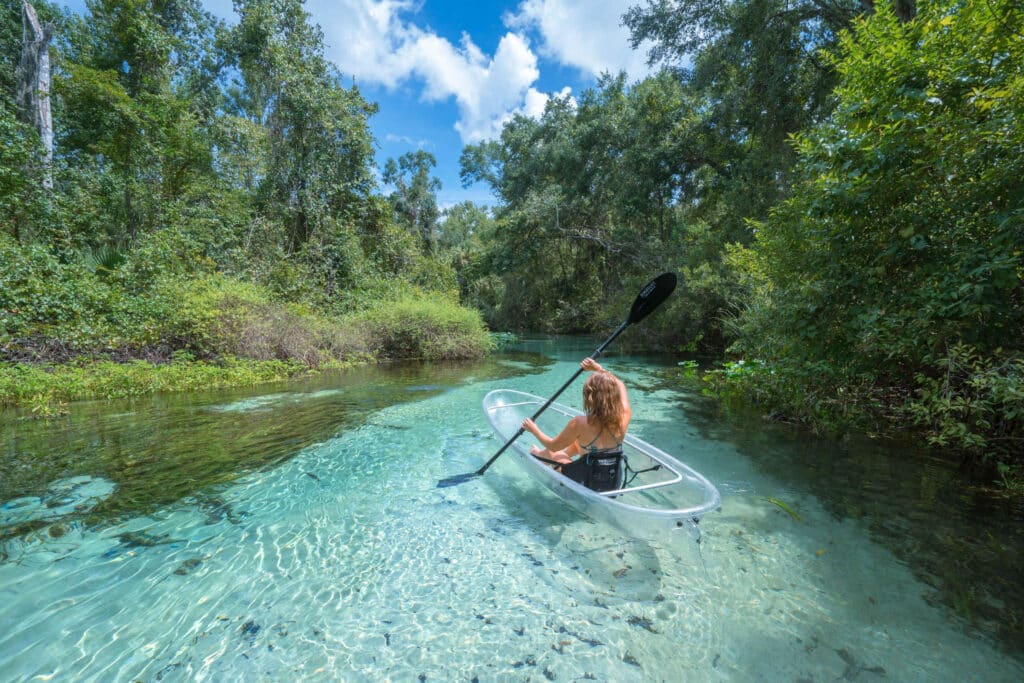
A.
x: 43, y: 390
x: 68, y: 334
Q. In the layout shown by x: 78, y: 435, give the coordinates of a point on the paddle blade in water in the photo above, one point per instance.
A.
x: 457, y: 479
x: 651, y: 296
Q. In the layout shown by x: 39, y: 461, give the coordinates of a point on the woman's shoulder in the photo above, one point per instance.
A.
x: 580, y: 421
x: 582, y: 425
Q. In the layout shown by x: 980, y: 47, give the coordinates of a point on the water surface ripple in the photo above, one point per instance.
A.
x: 297, y: 533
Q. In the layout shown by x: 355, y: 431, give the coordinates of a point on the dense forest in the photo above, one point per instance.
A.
x: 837, y: 182
x: 211, y: 197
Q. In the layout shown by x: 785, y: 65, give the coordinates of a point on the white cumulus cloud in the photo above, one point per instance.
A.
x: 585, y: 34
x: 378, y: 42
x: 371, y: 41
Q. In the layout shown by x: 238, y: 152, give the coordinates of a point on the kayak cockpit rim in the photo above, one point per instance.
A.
x: 677, y: 475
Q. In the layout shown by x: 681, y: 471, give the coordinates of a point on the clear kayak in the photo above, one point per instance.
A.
x: 658, y: 494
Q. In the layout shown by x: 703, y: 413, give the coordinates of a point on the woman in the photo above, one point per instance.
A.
x: 600, y: 431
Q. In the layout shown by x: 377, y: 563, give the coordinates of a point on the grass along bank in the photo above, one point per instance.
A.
x: 44, y: 390
x: 271, y: 344
x: 69, y: 332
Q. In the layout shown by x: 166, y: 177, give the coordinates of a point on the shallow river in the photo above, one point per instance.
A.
x: 296, y: 533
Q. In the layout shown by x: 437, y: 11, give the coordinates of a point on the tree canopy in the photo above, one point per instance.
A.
x: 836, y: 181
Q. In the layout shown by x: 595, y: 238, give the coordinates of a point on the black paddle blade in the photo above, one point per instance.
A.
x: 651, y: 296
x: 457, y: 479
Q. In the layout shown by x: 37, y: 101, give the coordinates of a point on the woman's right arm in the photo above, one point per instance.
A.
x: 564, y: 439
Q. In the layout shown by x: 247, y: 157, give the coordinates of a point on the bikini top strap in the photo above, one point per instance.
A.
x: 590, y: 446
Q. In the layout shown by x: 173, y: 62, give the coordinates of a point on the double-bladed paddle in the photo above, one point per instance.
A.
x: 650, y: 297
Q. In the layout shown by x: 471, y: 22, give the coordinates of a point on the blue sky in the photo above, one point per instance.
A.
x: 447, y: 73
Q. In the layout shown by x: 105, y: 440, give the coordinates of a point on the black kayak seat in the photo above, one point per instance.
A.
x: 598, y: 470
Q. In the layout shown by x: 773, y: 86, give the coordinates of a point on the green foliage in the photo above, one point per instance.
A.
x: 432, y: 329
x: 894, y: 273
x: 212, y: 211
x: 502, y: 340
x: 814, y: 395
x: 23, y: 206
x: 569, y: 231
x: 46, y: 390
x: 40, y: 296
x: 158, y: 301
x: 463, y: 237
x: 218, y: 316
x: 119, y: 99
x: 414, y: 198
x: 626, y: 182
x: 689, y: 370
x: 104, y: 260
x: 316, y: 139
x: 839, y: 192
x: 920, y: 163
x: 972, y: 403
x: 660, y: 175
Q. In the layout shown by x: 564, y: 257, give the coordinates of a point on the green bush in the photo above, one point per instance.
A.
x: 889, y: 284
x: 972, y: 403
x: 162, y: 254
x: 217, y: 315
x: 812, y: 394
x: 424, y: 328
x: 23, y: 205
x: 43, y: 297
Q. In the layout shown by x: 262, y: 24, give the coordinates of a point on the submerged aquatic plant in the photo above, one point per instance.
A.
x: 784, y: 507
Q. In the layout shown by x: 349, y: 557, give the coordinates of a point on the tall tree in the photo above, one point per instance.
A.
x: 319, y: 147
x: 126, y: 106
x: 415, y: 195
x: 756, y: 72
x: 902, y: 243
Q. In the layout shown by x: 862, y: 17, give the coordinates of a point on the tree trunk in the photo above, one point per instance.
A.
x: 905, y: 10
x: 34, y: 83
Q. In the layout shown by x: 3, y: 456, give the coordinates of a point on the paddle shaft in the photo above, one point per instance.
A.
x: 551, y: 400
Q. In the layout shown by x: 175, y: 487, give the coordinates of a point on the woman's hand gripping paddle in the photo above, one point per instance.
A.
x: 650, y: 297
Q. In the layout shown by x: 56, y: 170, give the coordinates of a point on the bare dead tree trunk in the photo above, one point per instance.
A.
x: 34, y: 83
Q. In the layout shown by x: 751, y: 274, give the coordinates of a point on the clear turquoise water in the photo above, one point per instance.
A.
x: 297, y: 533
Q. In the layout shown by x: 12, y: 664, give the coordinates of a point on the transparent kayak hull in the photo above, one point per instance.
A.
x: 667, y: 498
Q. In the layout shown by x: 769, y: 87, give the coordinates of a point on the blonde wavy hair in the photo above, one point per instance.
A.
x: 602, y: 401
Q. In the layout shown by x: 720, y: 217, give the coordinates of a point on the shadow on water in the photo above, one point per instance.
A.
x: 958, y: 535
x: 108, y: 461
